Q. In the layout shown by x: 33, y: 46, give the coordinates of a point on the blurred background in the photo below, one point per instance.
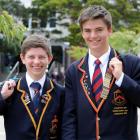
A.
x: 57, y: 20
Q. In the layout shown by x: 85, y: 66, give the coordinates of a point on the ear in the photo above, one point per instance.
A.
x: 50, y: 58
x: 110, y: 31
x: 22, y: 57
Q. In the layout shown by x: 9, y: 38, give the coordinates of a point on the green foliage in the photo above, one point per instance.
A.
x: 125, y: 15
x: 46, y: 9
x: 14, y: 7
x: 126, y: 41
x: 96, y: 2
x: 77, y: 52
x: 75, y: 35
x: 135, y: 27
x: 13, y: 32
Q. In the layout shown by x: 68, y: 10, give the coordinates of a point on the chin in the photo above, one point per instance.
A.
x: 38, y: 75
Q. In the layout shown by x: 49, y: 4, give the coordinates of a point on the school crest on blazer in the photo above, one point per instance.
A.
x: 118, y: 99
x: 53, y: 128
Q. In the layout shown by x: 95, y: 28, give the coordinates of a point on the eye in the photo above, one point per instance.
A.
x: 87, y: 30
x: 99, y: 29
x: 30, y: 57
x: 42, y: 57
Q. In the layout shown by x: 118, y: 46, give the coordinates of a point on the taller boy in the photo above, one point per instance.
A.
x: 33, y: 109
x: 103, y: 88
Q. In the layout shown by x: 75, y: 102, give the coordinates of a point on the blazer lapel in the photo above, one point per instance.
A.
x: 85, y: 81
x: 26, y: 100
x: 113, y: 53
x: 46, y: 94
x: 45, y: 100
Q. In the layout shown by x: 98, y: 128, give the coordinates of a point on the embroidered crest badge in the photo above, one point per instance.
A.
x: 53, y: 129
x: 118, y: 99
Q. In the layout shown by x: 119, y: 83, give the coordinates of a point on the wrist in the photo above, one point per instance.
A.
x: 3, y: 96
x: 119, y: 81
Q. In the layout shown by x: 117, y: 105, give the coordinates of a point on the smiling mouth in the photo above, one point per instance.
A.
x: 37, y: 68
x: 95, y: 42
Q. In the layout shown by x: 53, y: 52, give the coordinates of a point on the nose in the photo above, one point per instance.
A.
x: 36, y: 60
x: 93, y: 34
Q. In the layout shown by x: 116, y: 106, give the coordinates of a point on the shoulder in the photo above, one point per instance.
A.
x: 74, y: 65
x: 58, y: 88
x: 131, y: 63
x: 130, y: 58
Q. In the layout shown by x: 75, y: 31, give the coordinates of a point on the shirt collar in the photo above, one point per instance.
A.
x: 104, y: 58
x: 30, y: 80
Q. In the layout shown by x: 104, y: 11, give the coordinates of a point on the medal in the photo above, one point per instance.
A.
x: 106, y: 84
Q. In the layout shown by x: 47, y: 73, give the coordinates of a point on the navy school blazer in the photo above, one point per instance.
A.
x: 115, y: 118
x: 21, y: 123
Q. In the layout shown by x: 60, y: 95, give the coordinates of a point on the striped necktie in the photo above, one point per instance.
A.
x: 97, y: 82
x: 36, y: 99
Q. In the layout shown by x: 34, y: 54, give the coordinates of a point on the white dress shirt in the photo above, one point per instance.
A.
x: 30, y: 80
x: 103, y: 66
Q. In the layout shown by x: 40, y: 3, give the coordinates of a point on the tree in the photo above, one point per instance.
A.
x: 14, y: 7
x: 126, y: 41
x: 10, y: 30
x: 80, y: 52
x: 125, y: 14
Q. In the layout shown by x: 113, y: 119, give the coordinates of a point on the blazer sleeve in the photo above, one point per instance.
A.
x: 131, y: 81
x: 2, y: 105
x: 69, y: 113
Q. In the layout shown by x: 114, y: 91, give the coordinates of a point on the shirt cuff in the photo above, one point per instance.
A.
x: 119, y: 81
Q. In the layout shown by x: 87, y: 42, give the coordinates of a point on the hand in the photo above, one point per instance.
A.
x: 116, y: 67
x: 8, y: 88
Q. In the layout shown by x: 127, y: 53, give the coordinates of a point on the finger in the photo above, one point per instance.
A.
x: 11, y: 84
x: 111, y: 67
x: 114, y: 58
x: 9, y: 87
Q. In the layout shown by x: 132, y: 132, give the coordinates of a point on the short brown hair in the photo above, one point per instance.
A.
x: 95, y: 12
x: 36, y: 41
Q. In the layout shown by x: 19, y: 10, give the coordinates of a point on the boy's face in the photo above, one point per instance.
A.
x: 36, y: 61
x: 96, y: 34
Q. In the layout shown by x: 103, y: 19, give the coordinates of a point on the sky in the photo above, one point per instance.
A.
x: 27, y: 3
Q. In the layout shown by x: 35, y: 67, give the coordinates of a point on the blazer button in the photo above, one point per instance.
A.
x: 99, y: 137
x: 98, y: 119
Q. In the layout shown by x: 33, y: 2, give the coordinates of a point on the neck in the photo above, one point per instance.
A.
x: 99, y: 52
x: 36, y: 77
